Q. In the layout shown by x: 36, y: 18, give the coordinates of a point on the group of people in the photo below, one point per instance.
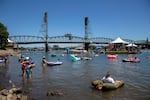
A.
x: 26, y: 66
x: 133, y: 59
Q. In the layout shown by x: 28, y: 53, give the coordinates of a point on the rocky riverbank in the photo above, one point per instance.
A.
x: 10, y: 52
x: 12, y: 94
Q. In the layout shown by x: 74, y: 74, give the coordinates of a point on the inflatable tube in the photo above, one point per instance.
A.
x: 74, y: 58
x: 99, y: 85
x: 86, y: 58
x: 134, y: 61
x: 2, y: 60
x: 53, y: 55
x: 109, y: 56
x: 54, y: 63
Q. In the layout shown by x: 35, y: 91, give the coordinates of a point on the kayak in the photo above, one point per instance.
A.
x: 134, y: 61
x: 100, y: 85
x: 54, y: 63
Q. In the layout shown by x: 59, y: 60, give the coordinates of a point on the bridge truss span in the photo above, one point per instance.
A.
x: 101, y: 40
x: 28, y: 39
x: 66, y: 39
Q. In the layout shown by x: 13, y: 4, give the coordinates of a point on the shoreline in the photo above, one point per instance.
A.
x: 10, y: 52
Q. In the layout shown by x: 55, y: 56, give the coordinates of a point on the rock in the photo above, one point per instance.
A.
x: 55, y: 93
x: 24, y: 98
x: 12, y: 94
x: 19, y: 96
x: 2, y: 97
x: 4, y: 92
x: 9, y: 97
x: 10, y: 91
x: 15, y: 90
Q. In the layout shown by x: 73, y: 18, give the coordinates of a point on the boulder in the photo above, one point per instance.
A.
x: 12, y: 94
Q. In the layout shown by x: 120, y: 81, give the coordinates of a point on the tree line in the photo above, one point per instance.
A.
x: 3, y: 36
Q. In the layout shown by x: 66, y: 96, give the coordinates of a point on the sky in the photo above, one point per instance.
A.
x: 128, y: 19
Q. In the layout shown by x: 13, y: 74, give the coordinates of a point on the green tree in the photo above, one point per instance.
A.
x: 3, y: 36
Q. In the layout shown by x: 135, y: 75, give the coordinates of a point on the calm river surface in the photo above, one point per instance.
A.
x: 74, y: 78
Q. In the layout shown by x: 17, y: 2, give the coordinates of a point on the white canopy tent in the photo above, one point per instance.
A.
x: 10, y: 41
x: 119, y: 40
x: 131, y: 45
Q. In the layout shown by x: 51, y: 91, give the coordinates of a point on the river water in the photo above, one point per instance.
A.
x: 74, y: 78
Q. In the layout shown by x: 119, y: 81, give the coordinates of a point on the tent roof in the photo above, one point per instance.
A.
x: 10, y: 41
x: 131, y: 45
x: 119, y: 40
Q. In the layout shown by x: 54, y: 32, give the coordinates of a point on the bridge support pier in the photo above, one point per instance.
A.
x: 86, y: 46
x: 46, y: 47
x: 46, y: 37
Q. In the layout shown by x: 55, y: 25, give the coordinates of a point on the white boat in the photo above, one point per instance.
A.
x: 54, y: 63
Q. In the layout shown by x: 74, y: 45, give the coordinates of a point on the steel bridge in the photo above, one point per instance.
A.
x: 27, y: 39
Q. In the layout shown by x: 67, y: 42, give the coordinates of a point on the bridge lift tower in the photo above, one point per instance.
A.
x: 46, y: 31
x: 86, y: 37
